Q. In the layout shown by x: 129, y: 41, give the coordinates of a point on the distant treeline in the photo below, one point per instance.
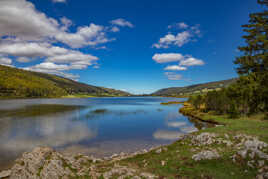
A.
x: 194, y: 89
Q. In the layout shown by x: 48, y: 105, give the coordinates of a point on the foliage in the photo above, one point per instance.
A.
x: 249, y: 94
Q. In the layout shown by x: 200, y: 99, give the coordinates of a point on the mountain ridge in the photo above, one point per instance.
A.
x: 192, y: 89
x: 19, y: 83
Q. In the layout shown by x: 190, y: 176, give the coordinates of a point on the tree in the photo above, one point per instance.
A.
x: 254, y: 61
x: 256, y: 51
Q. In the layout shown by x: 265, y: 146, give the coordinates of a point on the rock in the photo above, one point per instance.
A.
x: 226, y: 136
x: 5, y: 173
x: 204, y: 139
x: 250, y: 164
x: 261, y: 163
x: 206, y: 155
x: 147, y: 175
x: 262, y: 176
x: 242, y: 153
x: 252, y: 155
x: 158, y: 151
x: 114, y: 155
x: 31, y: 163
x: 255, y: 144
x: 45, y: 163
x: 227, y: 142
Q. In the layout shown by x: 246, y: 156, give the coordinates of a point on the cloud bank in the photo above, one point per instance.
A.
x: 28, y: 34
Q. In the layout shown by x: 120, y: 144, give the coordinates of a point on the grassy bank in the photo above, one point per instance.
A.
x: 175, y: 160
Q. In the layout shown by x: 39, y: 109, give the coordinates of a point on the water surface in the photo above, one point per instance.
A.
x: 95, y: 126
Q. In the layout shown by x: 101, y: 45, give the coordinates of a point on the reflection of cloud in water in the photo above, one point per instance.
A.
x: 167, y: 135
x: 189, y: 129
x: 53, y: 131
x: 176, y: 124
x: 173, y: 115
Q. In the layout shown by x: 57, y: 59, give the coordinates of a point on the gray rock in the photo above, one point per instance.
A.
x: 242, y: 153
x: 5, y: 173
x: 261, y: 163
x: 206, y: 155
x: 204, y: 139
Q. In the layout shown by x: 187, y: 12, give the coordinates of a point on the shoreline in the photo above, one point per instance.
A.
x: 207, y: 153
x: 116, y: 156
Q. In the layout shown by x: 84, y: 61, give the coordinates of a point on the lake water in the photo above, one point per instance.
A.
x: 94, y: 126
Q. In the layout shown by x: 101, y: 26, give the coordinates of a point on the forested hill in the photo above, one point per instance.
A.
x: 198, y: 88
x: 16, y: 83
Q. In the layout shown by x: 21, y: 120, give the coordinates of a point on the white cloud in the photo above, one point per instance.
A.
x: 71, y: 57
x: 20, y: 19
x: 180, y: 38
x: 115, y: 29
x: 59, y: 1
x: 180, y: 25
x: 23, y: 59
x: 52, y: 68
x: 31, y: 49
x: 175, y: 68
x: 66, y: 23
x: 28, y: 34
x: 89, y: 35
x: 167, y: 135
x: 191, y: 62
x: 173, y: 76
x: 5, y: 61
x: 56, y: 58
x: 185, y: 60
x: 167, y: 57
x: 176, y: 124
x: 122, y: 22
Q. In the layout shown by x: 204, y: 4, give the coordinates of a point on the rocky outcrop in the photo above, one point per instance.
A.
x: 249, y: 150
x: 45, y: 163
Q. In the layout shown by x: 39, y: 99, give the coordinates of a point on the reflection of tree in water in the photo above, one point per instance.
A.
x: 200, y: 124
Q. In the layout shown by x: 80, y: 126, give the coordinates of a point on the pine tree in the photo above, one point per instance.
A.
x: 255, y: 58
x: 254, y: 62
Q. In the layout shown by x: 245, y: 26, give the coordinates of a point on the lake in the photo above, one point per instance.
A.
x: 94, y: 126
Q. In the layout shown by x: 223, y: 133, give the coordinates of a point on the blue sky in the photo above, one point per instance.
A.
x: 138, y: 46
